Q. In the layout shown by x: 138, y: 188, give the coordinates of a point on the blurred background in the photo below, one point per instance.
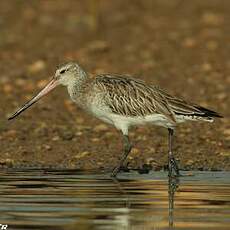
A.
x: 183, y: 46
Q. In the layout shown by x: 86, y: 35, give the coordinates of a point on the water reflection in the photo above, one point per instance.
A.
x: 38, y: 199
x: 173, y: 184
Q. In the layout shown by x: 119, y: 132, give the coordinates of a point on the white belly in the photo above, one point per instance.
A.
x: 123, y: 122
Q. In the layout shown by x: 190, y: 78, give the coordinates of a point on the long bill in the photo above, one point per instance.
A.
x: 50, y: 86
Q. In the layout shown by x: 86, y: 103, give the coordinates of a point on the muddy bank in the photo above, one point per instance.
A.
x: 181, y: 46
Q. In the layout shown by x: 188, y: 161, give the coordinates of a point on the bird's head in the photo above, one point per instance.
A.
x: 68, y: 74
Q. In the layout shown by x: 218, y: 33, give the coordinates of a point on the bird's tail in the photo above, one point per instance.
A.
x: 207, y: 113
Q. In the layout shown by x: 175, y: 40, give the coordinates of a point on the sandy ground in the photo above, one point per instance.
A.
x: 183, y: 46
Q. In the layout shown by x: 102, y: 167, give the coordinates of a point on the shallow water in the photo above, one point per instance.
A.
x: 40, y: 199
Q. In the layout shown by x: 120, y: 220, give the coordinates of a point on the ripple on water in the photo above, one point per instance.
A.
x: 40, y: 199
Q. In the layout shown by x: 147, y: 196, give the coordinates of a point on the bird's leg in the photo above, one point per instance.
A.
x: 172, y: 164
x: 127, y: 149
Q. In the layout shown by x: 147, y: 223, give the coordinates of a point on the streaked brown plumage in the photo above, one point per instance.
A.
x: 123, y: 102
x: 131, y: 97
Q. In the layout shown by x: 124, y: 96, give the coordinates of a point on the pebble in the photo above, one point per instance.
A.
x: 100, y: 128
x: 189, y: 42
x: 212, y: 45
x: 95, y: 139
x: 109, y: 134
x: 10, y: 133
x: 7, y: 88
x: 150, y: 160
x: 7, y: 162
x: 56, y: 138
x: 98, y: 46
x: 82, y: 154
x: 206, y: 67
x: 79, y: 133
x: 47, y: 147
x: 227, y: 134
x: 135, y: 151
x: 69, y: 105
x: 79, y: 120
x: 225, y: 154
x: 67, y: 135
x: 190, y: 162
x: 36, y: 66
x: 212, y: 19
x: 20, y: 82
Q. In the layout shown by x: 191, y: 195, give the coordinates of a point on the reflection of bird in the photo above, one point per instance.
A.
x: 124, y: 102
x: 173, y: 185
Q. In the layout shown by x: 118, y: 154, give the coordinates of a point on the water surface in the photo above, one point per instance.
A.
x: 42, y: 199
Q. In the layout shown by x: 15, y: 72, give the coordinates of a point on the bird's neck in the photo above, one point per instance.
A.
x: 77, y: 85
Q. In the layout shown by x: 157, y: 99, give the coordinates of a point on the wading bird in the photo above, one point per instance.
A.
x: 124, y: 102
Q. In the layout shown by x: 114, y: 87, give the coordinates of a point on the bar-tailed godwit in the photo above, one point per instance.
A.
x: 124, y: 102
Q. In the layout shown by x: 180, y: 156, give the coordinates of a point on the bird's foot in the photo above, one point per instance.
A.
x: 115, y: 172
x: 173, y: 167
x: 118, y: 169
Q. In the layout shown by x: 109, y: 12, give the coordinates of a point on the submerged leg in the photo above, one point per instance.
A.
x: 172, y: 164
x: 127, y: 149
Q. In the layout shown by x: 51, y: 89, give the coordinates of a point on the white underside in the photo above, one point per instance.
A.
x: 123, y: 123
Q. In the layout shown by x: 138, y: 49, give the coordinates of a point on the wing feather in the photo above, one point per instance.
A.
x: 130, y: 97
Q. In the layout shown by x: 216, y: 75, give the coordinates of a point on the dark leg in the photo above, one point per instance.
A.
x: 127, y: 149
x: 172, y: 165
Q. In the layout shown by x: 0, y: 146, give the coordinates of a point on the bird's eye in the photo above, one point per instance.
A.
x: 62, y: 71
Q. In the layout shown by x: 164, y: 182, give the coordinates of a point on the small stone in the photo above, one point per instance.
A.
x: 190, y: 162
x: 225, y: 154
x: 7, y: 162
x: 20, y: 82
x: 69, y: 105
x: 82, y: 154
x: 152, y: 150
x: 79, y: 133
x: 222, y: 96
x: 95, y: 139
x: 7, y: 88
x: 227, y: 133
x: 100, y: 128
x: 206, y: 67
x: 135, y: 151
x: 212, y: 19
x: 79, y: 120
x: 130, y: 157
x: 151, y: 161
x: 56, y: 138
x: 67, y: 135
x: 109, y: 134
x: 10, y: 133
x: 99, y: 46
x: 189, y: 42
x: 212, y: 45
x: 36, y: 66
x: 47, y: 147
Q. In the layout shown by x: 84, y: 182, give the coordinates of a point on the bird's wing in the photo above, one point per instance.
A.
x: 131, y: 97
x: 181, y: 107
